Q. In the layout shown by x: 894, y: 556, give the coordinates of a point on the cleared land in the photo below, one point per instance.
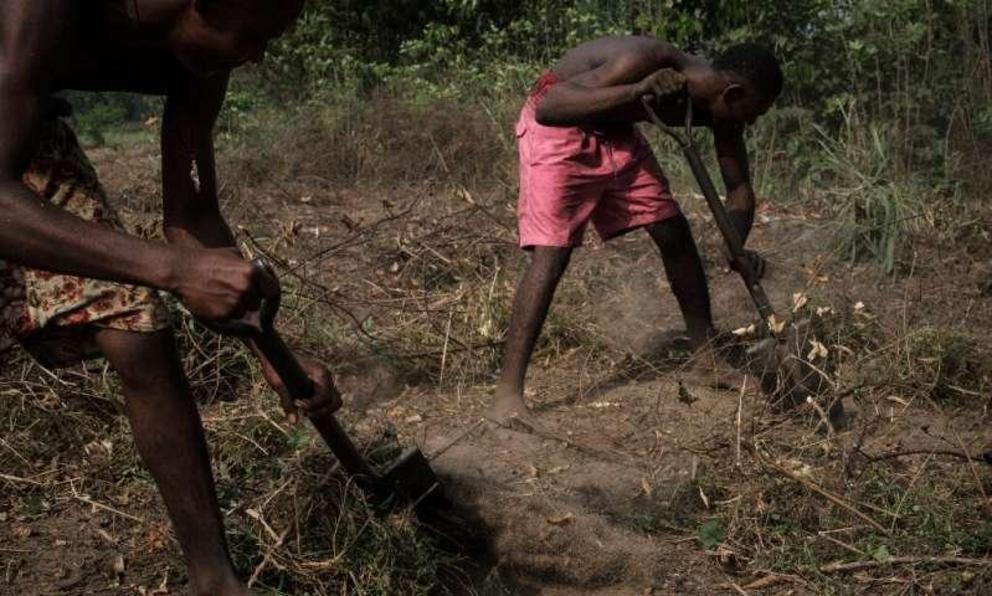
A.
x: 626, y: 487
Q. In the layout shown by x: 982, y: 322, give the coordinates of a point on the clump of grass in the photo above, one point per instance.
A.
x: 931, y: 363
x: 302, y: 528
x: 866, y: 356
x: 777, y: 524
x: 874, y: 201
x: 776, y: 514
x: 372, y: 141
x: 932, y: 512
x: 945, y: 364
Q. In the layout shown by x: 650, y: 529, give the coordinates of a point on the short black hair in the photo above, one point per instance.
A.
x: 281, y: 11
x: 756, y: 63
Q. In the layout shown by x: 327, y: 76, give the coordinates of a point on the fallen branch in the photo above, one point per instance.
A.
x: 107, y: 508
x: 19, y: 480
x: 974, y: 474
x: 771, y: 580
x: 456, y: 440
x: 945, y: 452
x: 740, y: 407
x: 537, y: 431
x: 833, y: 498
x: 842, y: 567
x: 269, y: 553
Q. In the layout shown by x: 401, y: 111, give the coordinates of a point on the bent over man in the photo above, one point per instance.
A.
x: 71, y: 283
x: 582, y: 159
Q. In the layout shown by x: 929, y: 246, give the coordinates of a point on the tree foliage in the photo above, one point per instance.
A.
x: 913, y: 61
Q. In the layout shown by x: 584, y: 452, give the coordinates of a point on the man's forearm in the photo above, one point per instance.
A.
x: 41, y: 236
x: 569, y: 104
x: 206, y: 230
x: 740, y: 209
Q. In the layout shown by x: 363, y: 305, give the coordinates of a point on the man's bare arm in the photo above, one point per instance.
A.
x: 602, y: 94
x: 32, y: 232
x: 189, y: 172
x: 732, y: 155
x: 192, y: 211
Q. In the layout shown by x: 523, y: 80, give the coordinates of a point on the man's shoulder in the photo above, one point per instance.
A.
x: 638, y: 51
x: 646, y: 45
x: 29, y: 34
x: 625, y: 52
x: 61, y: 45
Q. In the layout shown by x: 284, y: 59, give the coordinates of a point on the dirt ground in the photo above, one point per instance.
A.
x: 606, y: 492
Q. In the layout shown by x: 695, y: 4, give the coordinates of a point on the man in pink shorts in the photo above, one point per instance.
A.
x: 582, y: 159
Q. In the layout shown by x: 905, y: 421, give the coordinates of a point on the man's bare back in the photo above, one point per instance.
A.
x: 593, y: 54
x: 121, y: 45
x: 630, y: 60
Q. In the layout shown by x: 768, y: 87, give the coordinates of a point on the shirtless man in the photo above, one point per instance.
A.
x: 55, y: 224
x: 582, y: 159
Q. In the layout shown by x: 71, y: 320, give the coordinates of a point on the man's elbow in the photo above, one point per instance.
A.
x: 548, y: 113
x: 544, y: 116
x: 741, y: 199
x: 9, y: 186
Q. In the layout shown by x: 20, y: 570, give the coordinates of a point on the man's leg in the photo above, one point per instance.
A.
x: 687, y: 278
x: 530, y: 308
x: 685, y: 273
x: 169, y: 436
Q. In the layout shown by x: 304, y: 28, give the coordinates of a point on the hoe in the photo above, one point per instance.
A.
x: 785, y: 376
x: 408, y: 479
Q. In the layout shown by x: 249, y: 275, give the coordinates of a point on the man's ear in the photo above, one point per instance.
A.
x: 734, y: 93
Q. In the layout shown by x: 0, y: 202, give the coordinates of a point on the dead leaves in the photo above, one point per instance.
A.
x: 775, y: 326
x: 561, y: 520
x: 818, y: 351
x: 686, y: 397
x: 748, y: 331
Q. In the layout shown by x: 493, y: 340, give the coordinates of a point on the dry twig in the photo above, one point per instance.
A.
x: 843, y: 567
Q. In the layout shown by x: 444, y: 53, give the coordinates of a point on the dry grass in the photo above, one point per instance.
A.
x: 374, y: 141
x: 415, y: 285
x: 293, y: 522
x: 441, y: 280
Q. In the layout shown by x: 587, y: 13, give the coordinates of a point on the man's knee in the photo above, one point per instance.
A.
x: 551, y: 260
x: 673, y: 235
x: 144, y: 361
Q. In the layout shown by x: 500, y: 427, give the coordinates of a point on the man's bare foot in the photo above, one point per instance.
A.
x: 713, y: 370
x: 225, y: 586
x: 232, y: 590
x: 506, y: 407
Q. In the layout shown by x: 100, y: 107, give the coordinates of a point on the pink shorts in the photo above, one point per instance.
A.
x: 570, y: 175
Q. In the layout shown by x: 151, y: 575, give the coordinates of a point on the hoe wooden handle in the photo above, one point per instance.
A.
x: 735, y: 245
x: 300, y: 387
x: 260, y: 328
x: 730, y: 235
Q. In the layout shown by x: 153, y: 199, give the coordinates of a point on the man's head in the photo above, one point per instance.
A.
x: 753, y: 82
x: 217, y: 35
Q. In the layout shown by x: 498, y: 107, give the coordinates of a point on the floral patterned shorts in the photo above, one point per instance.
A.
x: 56, y: 316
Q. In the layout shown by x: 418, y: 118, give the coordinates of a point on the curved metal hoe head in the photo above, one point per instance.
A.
x: 787, y: 378
x: 412, y: 477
